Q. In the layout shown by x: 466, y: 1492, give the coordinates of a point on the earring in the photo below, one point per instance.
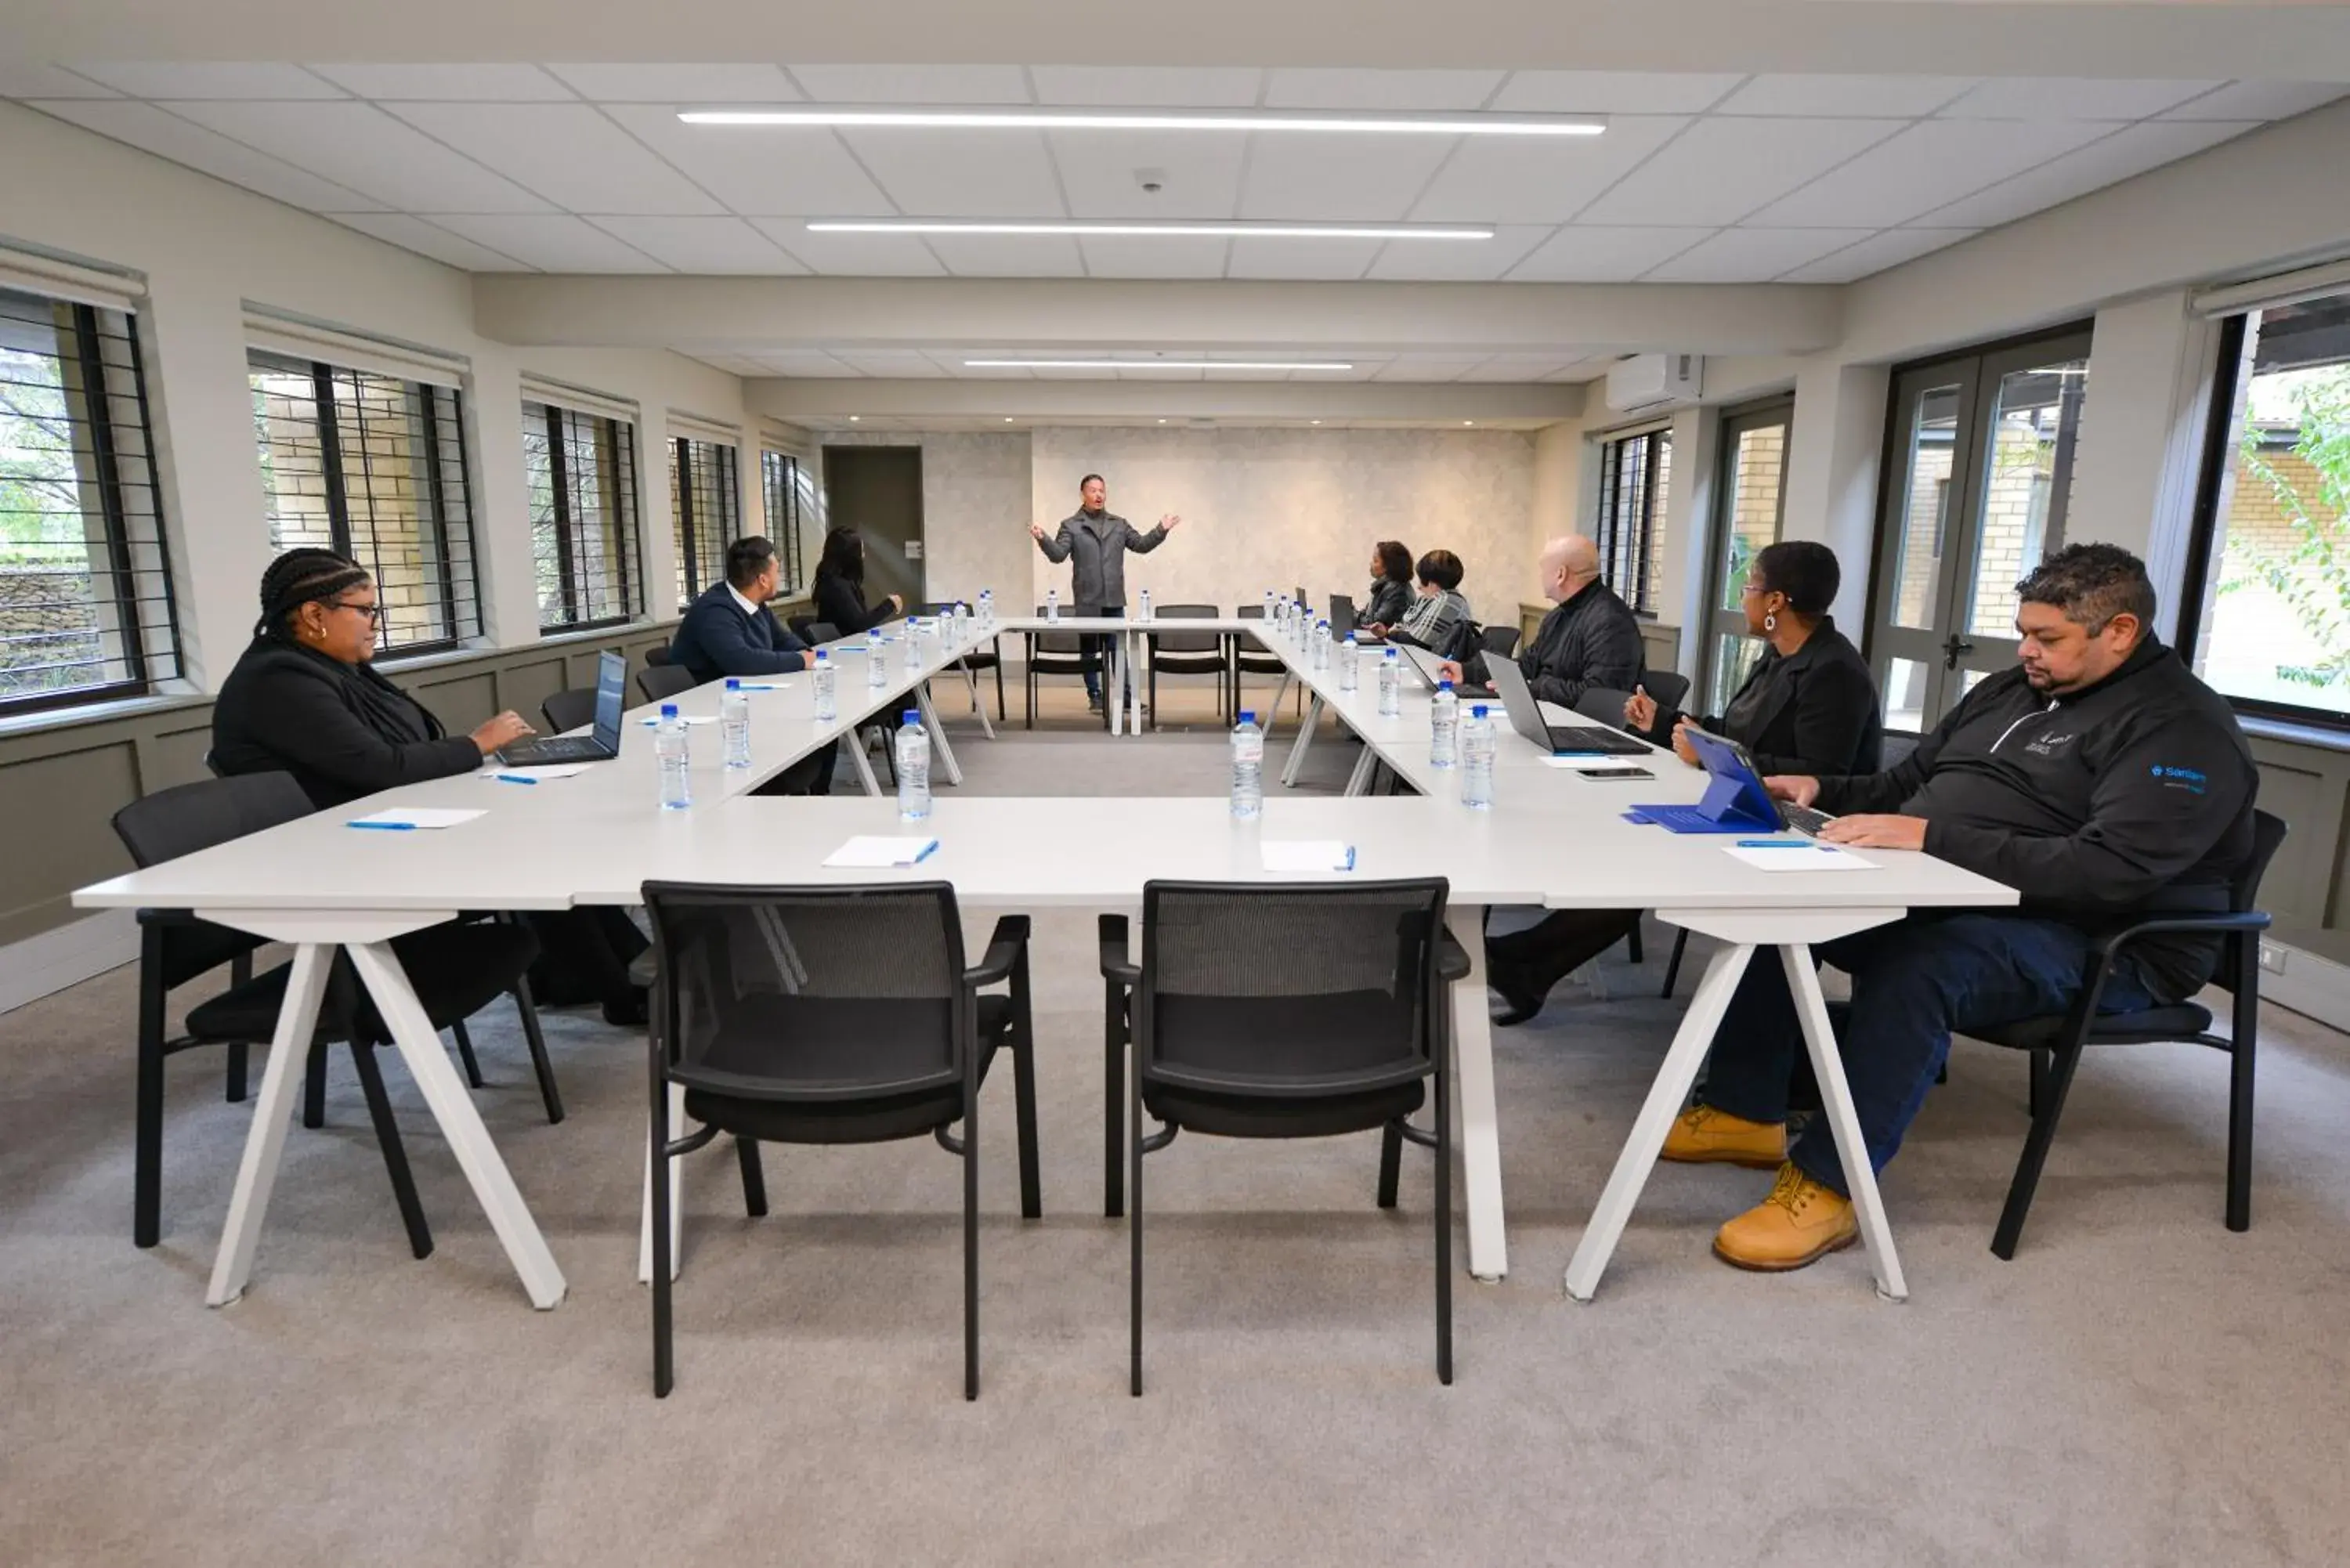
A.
x: 1770, y: 622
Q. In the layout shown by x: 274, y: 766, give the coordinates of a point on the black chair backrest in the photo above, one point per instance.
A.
x: 819, y: 633
x: 658, y: 655
x: 568, y: 710
x: 192, y: 816
x: 1893, y: 748
x: 1186, y: 641
x: 1067, y: 642
x: 663, y: 681
x: 1290, y: 989
x: 811, y: 994
x: 1603, y: 705
x: 1501, y: 640
x: 801, y: 625
x: 1668, y: 687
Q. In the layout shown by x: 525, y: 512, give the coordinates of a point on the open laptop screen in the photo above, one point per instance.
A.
x: 611, y: 697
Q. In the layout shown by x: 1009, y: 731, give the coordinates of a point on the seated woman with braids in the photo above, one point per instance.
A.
x: 305, y: 700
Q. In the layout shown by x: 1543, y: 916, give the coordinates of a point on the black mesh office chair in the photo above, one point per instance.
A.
x: 1187, y: 653
x: 572, y: 710
x: 1248, y: 658
x: 658, y: 655
x: 1053, y: 653
x: 831, y: 1015
x: 1278, y: 1011
x: 663, y: 681
x: 2055, y: 1042
x: 456, y: 969
x: 1501, y: 640
x: 1668, y: 687
x: 801, y: 625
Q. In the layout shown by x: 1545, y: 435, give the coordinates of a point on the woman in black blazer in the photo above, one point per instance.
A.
x: 840, y: 588
x: 1809, y: 707
x: 1391, y: 589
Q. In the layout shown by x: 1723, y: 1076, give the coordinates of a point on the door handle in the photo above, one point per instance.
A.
x: 1951, y: 650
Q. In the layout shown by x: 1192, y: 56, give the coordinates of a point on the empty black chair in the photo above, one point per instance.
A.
x: 2055, y: 1042
x: 1053, y: 653
x: 1249, y: 658
x: 800, y: 625
x: 990, y: 656
x: 656, y: 655
x: 1668, y: 687
x: 572, y: 710
x: 663, y: 681
x: 1286, y: 1010
x: 1187, y: 652
x: 831, y: 1015
x: 1503, y: 640
x: 818, y: 632
x: 455, y: 969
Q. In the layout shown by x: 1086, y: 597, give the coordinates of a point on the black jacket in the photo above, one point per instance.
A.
x: 1815, y: 710
x: 840, y: 606
x: 341, y: 730
x: 1588, y: 640
x: 2130, y: 797
x: 716, y: 639
x: 1385, y: 605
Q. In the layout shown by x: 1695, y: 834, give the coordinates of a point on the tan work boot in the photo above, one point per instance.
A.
x: 1703, y: 1135
x: 1800, y: 1222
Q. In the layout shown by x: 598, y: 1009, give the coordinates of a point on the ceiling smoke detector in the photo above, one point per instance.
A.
x: 1152, y: 181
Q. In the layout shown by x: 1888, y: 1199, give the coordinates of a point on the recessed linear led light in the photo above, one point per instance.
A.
x: 1081, y: 228
x: 962, y: 119
x: 1157, y: 364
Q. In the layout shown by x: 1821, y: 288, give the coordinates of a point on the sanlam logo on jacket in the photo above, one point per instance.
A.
x: 2190, y: 779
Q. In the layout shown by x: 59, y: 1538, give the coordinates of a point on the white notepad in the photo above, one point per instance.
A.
x: 1309, y: 855
x: 875, y: 850
x: 1803, y: 857
x: 414, y: 816
x: 537, y: 775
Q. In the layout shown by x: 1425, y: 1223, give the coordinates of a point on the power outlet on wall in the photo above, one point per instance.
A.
x: 2273, y: 958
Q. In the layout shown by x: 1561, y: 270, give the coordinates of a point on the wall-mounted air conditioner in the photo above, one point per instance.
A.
x: 1645, y: 382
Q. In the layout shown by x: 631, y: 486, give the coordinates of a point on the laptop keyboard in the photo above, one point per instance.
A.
x: 1611, y: 742
x: 1804, y: 819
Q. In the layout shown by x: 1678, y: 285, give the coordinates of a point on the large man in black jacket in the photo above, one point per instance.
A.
x: 729, y: 631
x: 1589, y: 640
x: 2100, y: 780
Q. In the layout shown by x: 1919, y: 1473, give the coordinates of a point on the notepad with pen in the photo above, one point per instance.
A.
x: 878, y: 851
x: 1295, y: 855
x: 411, y: 819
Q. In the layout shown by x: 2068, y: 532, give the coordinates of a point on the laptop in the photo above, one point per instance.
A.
x: 1342, y: 615
x: 1526, y: 718
x: 1422, y: 663
x: 1735, y: 800
x: 602, y: 743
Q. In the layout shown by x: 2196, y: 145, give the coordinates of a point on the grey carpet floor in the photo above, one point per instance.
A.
x: 2139, y: 1387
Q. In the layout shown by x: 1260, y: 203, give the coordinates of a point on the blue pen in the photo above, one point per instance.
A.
x: 513, y: 778
x: 928, y: 850
x: 1779, y: 844
x: 756, y: 686
x: 385, y: 826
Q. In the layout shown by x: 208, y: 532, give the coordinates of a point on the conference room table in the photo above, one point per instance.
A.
x: 1551, y: 839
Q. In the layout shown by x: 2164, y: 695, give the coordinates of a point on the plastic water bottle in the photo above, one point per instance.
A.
x: 986, y: 609
x: 1146, y: 604
x: 876, y: 652
x: 827, y: 691
x: 1321, y: 645
x: 734, y: 723
x: 1248, y: 769
x: 1444, y: 728
x: 1349, y: 652
x: 1272, y: 614
x: 913, y: 641
x: 1390, y: 687
x: 670, y: 748
x: 1477, y: 759
x: 962, y: 622
x: 913, y: 768
x: 1052, y: 603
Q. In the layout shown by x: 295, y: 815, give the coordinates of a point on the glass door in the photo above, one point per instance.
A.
x: 1982, y: 478
x: 1754, y: 491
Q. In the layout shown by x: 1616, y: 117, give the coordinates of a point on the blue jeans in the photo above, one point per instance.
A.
x: 1913, y: 982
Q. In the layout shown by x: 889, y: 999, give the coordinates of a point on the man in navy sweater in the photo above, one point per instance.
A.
x: 728, y: 632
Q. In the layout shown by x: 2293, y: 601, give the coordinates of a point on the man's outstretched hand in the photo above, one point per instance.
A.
x: 1171, y: 523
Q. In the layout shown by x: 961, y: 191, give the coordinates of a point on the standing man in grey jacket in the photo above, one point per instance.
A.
x: 1100, y: 539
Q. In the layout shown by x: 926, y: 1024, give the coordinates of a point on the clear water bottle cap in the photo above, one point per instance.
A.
x: 668, y: 710
x: 1248, y: 715
x: 733, y: 684
x: 912, y: 716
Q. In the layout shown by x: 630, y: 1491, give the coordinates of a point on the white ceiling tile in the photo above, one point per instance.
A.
x: 891, y: 364
x: 2130, y: 150
x: 953, y: 361
x: 551, y: 242
x: 448, y: 83
x: 1458, y: 260
x: 567, y: 152
x: 1720, y: 169
x: 1256, y: 257
x: 852, y: 255
x: 771, y: 171
x: 680, y: 84
x: 1156, y: 377
x: 207, y: 79
x: 1119, y: 255
x: 425, y: 239
x: 360, y: 146
x: 2073, y: 98
x: 913, y: 84
x: 1148, y: 87
x: 1315, y: 87
x: 1581, y: 254
x: 701, y: 245
x: 1753, y: 255
x: 1932, y: 164
x: 1874, y: 254
x: 1614, y: 92
x: 1798, y: 94
x: 1330, y: 176
x: 2259, y: 100
x: 803, y: 364
x: 1199, y: 176
x: 1539, y: 178
x: 32, y: 78
x: 1426, y: 368
x: 1512, y: 368
x: 148, y: 128
x: 1580, y: 370
x: 1008, y: 256
x: 960, y: 175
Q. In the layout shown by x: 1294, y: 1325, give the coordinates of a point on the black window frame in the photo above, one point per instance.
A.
x: 150, y: 644
x: 614, y: 442
x: 696, y: 533
x: 1627, y: 554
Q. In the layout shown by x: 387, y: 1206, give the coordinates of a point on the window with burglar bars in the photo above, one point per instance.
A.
x: 779, y: 476
x: 706, y: 503
x: 581, y: 470
x: 373, y: 467
x: 86, y: 611
x: 1635, y: 474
